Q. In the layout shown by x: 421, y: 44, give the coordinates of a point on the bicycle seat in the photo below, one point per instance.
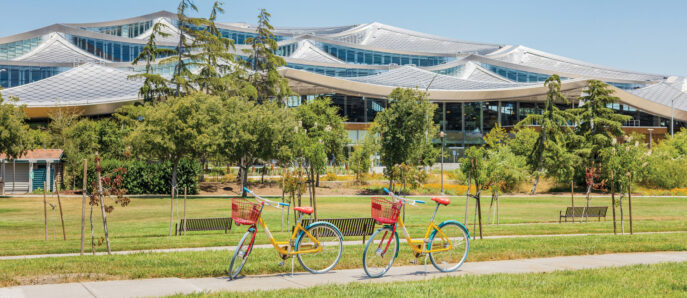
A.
x: 442, y: 201
x: 306, y: 210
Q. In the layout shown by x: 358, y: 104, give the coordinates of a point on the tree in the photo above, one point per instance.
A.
x: 598, y: 127
x: 14, y: 139
x: 264, y: 62
x: 248, y: 132
x: 667, y: 162
x: 406, y: 130
x: 155, y: 86
x: 625, y: 162
x: 360, y: 160
x: 555, y: 124
x: 321, y: 136
x: 183, y: 77
x: 175, y: 129
x: 108, y: 186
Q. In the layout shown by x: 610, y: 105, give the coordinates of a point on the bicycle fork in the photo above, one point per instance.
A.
x: 379, y: 251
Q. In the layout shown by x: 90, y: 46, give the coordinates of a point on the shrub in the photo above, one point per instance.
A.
x: 144, y: 177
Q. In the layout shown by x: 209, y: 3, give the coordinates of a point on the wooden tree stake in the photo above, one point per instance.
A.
x: 83, y: 204
x: 185, y: 194
x: 102, y: 204
x: 59, y: 203
x: 45, y: 210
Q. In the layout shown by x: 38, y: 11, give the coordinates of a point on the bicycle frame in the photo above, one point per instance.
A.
x: 419, y: 246
x: 290, y: 245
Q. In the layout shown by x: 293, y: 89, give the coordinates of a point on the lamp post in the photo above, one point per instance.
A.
x: 651, y: 139
x: 442, y: 135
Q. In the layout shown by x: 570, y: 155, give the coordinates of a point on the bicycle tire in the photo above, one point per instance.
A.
x: 449, y: 261
x: 242, y: 252
x: 328, y: 236
x: 377, y: 256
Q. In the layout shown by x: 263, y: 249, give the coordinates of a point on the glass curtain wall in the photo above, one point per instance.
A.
x: 13, y: 75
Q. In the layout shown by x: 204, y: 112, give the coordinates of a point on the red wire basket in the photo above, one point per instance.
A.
x: 385, y: 211
x: 244, y: 212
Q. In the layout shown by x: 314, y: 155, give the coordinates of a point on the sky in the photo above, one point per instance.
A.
x: 643, y: 36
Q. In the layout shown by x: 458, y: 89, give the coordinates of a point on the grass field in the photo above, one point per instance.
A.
x: 263, y: 261
x: 664, y: 280
x: 144, y: 224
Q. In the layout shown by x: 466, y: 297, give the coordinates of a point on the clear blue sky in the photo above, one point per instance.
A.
x: 646, y: 36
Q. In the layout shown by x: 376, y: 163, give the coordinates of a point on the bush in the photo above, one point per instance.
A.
x: 145, y: 177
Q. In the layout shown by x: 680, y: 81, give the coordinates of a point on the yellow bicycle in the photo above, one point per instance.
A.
x: 318, y: 246
x: 446, y: 243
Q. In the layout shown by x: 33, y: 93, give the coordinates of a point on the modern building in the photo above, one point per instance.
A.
x: 476, y: 85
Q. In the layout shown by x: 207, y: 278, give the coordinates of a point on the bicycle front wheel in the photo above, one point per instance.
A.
x: 380, y: 252
x: 329, y: 238
x: 451, y: 259
x: 241, y: 253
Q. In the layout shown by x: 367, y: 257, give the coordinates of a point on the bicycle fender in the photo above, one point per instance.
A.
x: 451, y: 221
x: 300, y: 235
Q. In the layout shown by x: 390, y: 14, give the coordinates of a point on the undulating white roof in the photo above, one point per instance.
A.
x: 666, y: 92
x: 172, y: 31
x: 306, y: 50
x: 377, y: 35
x: 83, y: 85
x: 551, y: 63
x: 472, y: 71
x: 413, y: 77
x: 56, y: 49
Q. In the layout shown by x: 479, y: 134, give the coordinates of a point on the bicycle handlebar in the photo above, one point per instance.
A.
x: 269, y: 202
x: 412, y: 202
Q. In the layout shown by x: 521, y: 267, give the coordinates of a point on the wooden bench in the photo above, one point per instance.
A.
x: 204, y: 224
x: 579, y: 212
x: 361, y: 226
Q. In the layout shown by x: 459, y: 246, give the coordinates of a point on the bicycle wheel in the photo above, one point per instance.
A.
x: 449, y: 260
x: 377, y: 258
x: 331, y: 240
x: 243, y: 249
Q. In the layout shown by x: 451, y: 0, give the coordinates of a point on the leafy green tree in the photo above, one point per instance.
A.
x: 554, y: 123
x: 264, y: 62
x: 360, y: 160
x: 248, y: 132
x: 155, y: 86
x: 321, y: 136
x: 625, y: 162
x: 14, y: 139
x: 667, y: 162
x: 406, y: 130
x: 523, y: 140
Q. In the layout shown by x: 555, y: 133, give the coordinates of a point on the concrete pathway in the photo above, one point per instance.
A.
x: 232, y: 248
x: 170, y: 286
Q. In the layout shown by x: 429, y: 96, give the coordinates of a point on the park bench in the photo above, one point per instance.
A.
x: 361, y: 226
x: 204, y: 224
x: 579, y: 212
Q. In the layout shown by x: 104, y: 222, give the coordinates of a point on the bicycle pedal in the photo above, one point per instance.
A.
x: 281, y: 264
x: 413, y: 262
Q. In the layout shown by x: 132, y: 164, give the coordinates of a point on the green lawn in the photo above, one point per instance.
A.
x: 665, y: 280
x: 262, y: 261
x: 144, y: 224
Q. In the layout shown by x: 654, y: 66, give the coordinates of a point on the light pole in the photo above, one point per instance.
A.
x: 442, y: 135
x: 651, y: 139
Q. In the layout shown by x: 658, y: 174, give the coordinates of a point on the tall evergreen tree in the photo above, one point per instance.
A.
x: 555, y: 123
x: 183, y: 78
x: 154, y: 86
x: 263, y: 62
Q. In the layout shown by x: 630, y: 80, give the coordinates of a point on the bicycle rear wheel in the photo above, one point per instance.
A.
x: 241, y: 254
x: 452, y: 259
x: 377, y: 257
x: 329, y: 238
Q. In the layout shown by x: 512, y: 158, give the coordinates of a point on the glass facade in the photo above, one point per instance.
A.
x: 451, y: 71
x: 13, y: 76
x: 109, y: 50
x: 358, y: 56
x: 335, y: 71
x: 240, y: 37
x: 516, y: 75
x: 128, y: 30
x: 9, y: 51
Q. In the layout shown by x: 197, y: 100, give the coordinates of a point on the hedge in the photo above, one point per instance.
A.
x: 145, y: 177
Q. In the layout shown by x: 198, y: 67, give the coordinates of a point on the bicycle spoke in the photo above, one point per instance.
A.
x: 453, y: 249
x: 331, y: 242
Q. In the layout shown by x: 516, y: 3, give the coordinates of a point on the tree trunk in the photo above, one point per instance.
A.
x: 572, y: 198
x: 185, y: 194
x: 171, y: 202
x: 102, y: 205
x: 534, y: 186
x: 467, y: 197
x: 589, y: 191
x: 244, y: 176
x: 45, y: 210
x: 629, y: 201
x: 59, y: 203
x: 92, y: 233
x: 14, y: 176
x: 615, y: 228
x: 314, y: 194
x: 622, y: 217
x: 479, y: 215
x: 497, y: 209
x: 491, y: 203
x: 317, y: 183
x: 83, y: 204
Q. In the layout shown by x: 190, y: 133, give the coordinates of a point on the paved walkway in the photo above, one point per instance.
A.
x: 170, y: 286
x: 232, y: 248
